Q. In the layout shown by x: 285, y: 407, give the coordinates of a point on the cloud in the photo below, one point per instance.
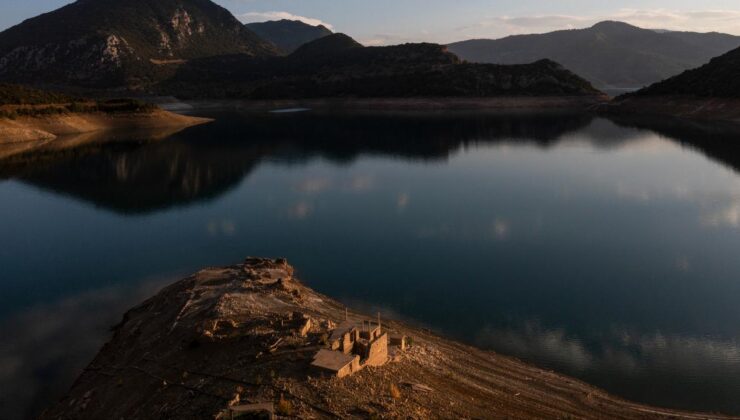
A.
x: 277, y: 15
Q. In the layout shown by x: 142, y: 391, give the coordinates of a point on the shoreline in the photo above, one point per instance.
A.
x: 392, y: 104
x: 226, y: 337
x: 683, y: 107
x: 45, y: 128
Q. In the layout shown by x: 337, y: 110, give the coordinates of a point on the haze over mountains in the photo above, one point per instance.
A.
x: 609, y: 54
x: 288, y: 35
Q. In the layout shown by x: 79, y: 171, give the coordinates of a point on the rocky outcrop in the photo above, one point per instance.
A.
x: 233, y: 339
x: 110, y: 43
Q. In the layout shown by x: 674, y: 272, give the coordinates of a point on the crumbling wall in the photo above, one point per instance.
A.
x: 378, y: 352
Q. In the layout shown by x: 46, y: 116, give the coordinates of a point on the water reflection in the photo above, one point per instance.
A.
x: 604, y: 249
x: 717, y: 140
x: 45, y: 346
x: 140, y: 175
x: 647, y: 366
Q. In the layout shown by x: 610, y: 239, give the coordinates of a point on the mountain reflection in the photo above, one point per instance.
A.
x: 716, y: 140
x: 143, y: 173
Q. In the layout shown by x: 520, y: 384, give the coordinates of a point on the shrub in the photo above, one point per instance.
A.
x: 394, y: 391
x: 284, y: 407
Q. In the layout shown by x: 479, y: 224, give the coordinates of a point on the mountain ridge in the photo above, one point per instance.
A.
x: 288, y: 35
x: 336, y: 66
x: 610, y: 54
x: 111, y: 43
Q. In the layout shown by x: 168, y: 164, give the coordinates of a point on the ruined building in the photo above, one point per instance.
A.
x: 351, y: 347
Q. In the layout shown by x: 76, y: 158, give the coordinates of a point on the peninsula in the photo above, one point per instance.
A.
x: 29, y: 115
x: 252, y: 339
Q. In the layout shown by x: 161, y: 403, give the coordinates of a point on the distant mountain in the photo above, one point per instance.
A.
x: 720, y: 78
x: 288, y: 35
x: 338, y: 66
x: 334, y: 45
x: 609, y: 54
x: 111, y: 43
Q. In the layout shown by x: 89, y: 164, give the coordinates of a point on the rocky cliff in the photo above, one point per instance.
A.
x: 112, y: 43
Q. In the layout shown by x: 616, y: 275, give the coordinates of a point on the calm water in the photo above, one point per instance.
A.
x: 605, y: 250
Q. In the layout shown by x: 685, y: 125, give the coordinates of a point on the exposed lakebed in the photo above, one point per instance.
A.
x: 606, y: 250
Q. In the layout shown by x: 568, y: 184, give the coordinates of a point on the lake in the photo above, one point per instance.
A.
x: 606, y: 250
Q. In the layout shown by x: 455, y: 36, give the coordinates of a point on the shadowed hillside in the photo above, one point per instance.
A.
x: 609, y: 54
x: 338, y: 66
x: 288, y: 35
x: 720, y: 78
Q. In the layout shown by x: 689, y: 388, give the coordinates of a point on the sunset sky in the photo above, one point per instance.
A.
x: 392, y: 21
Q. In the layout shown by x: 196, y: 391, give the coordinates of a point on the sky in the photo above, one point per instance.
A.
x: 381, y: 22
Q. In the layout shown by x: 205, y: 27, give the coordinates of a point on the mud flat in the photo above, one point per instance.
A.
x: 409, y: 104
x: 48, y: 127
x: 687, y: 107
x: 244, y: 336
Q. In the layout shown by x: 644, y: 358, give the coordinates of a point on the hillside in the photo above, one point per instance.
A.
x: 247, y: 338
x: 720, y: 78
x: 336, y: 66
x: 710, y: 92
x: 288, y: 35
x: 11, y: 94
x: 112, y: 43
x: 609, y: 54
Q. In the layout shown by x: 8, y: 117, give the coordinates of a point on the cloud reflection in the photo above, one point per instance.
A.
x: 300, y: 210
x: 622, y: 351
x: 402, y: 201
x: 728, y: 216
x: 46, y: 346
x: 314, y: 185
x: 226, y: 227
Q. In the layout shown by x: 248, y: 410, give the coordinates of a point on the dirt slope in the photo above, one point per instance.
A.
x: 228, y: 336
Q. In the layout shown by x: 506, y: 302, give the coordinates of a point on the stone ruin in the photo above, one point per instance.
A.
x: 353, y: 346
